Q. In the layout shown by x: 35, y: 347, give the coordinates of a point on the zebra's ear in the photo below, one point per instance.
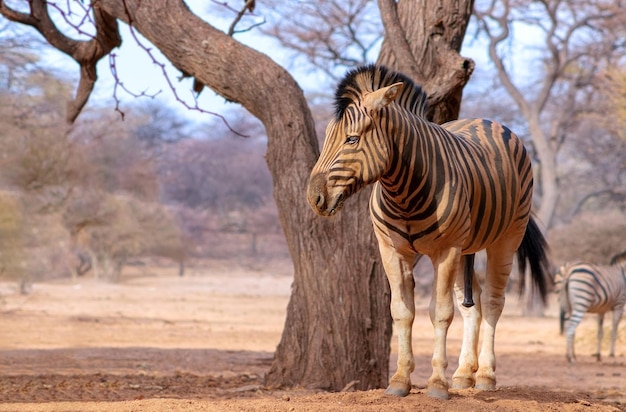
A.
x: 382, y: 97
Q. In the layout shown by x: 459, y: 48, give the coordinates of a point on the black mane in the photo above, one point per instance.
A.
x: 619, y: 258
x: 372, y: 77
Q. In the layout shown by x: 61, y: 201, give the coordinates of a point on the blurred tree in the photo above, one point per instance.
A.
x: 612, y: 107
x: 158, y: 124
x: 112, y: 158
x: 595, y: 237
x: 115, y: 228
x: 12, y: 233
x: 223, y: 175
x: 37, y: 154
x: 17, y: 59
x: 328, y: 255
x: 331, y: 35
x: 571, y: 43
x: 78, y: 171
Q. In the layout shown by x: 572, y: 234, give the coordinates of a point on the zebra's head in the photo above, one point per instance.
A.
x: 357, y: 147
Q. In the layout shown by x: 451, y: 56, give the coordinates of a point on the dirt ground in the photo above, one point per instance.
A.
x: 158, y: 342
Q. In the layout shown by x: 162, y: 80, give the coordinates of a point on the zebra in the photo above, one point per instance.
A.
x: 442, y: 191
x: 584, y: 287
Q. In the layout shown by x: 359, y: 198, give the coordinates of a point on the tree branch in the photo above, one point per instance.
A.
x: 248, y: 5
x: 617, y: 196
x: 494, y: 41
x: 85, y: 53
x: 16, y: 16
x: 398, y: 41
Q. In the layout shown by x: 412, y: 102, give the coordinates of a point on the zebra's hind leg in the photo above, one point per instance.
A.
x: 570, y: 336
x: 468, y: 359
x: 499, y: 262
x: 617, y: 316
x: 598, y: 355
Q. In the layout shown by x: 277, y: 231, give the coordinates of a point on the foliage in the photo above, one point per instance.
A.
x: 612, y: 107
x: 594, y: 237
x: 223, y: 175
x: 12, y: 234
x: 115, y: 228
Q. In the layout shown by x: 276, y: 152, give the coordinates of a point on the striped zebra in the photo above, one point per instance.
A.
x: 442, y: 191
x: 585, y: 287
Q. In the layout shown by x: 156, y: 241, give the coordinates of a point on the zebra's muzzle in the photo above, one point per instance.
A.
x: 322, y: 202
x: 336, y: 205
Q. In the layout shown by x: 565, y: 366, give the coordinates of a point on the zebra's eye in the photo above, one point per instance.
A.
x: 352, y: 139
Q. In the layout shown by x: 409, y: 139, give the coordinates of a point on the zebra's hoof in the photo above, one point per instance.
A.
x: 485, y: 383
x: 460, y: 382
x: 438, y: 391
x: 398, y: 389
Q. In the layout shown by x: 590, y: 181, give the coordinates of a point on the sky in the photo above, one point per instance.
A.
x: 137, y: 72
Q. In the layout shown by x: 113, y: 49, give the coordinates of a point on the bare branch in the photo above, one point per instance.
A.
x: 615, y: 195
x: 248, y: 5
x: 398, y: 39
x: 85, y: 53
x: 331, y: 35
x: 494, y: 41
x: 16, y: 16
x: 162, y: 66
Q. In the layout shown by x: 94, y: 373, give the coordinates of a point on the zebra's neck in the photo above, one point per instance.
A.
x: 416, y: 164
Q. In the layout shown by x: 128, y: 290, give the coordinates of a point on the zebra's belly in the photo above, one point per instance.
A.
x: 451, y: 224
x: 407, y: 237
x: 429, y: 238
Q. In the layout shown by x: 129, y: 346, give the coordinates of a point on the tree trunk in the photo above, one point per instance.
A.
x: 335, y: 332
x: 548, y: 175
x: 434, y: 30
x: 548, y: 189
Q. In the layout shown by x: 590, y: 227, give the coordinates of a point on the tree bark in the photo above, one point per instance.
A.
x: 549, y: 190
x: 338, y: 325
x: 434, y: 30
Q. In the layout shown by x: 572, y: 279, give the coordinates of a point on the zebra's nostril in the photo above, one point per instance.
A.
x: 320, y: 201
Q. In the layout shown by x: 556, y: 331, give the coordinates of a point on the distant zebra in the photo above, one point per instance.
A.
x: 585, y: 287
x: 444, y: 191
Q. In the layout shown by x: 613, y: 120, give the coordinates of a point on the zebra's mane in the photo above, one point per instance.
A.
x: 372, y: 77
x: 618, y: 259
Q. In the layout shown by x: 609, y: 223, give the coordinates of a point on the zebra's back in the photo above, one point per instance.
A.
x: 498, y: 174
x: 585, y: 287
x: 593, y: 288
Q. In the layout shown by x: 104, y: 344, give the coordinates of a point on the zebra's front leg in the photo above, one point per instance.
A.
x: 441, y: 315
x: 399, y: 271
x: 468, y: 359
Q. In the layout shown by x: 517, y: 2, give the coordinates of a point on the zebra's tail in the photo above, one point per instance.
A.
x: 534, y: 252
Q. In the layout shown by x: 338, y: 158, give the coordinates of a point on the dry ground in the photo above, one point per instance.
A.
x: 203, y: 342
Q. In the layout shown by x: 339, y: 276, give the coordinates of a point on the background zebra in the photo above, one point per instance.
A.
x: 585, y: 287
x: 444, y: 191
